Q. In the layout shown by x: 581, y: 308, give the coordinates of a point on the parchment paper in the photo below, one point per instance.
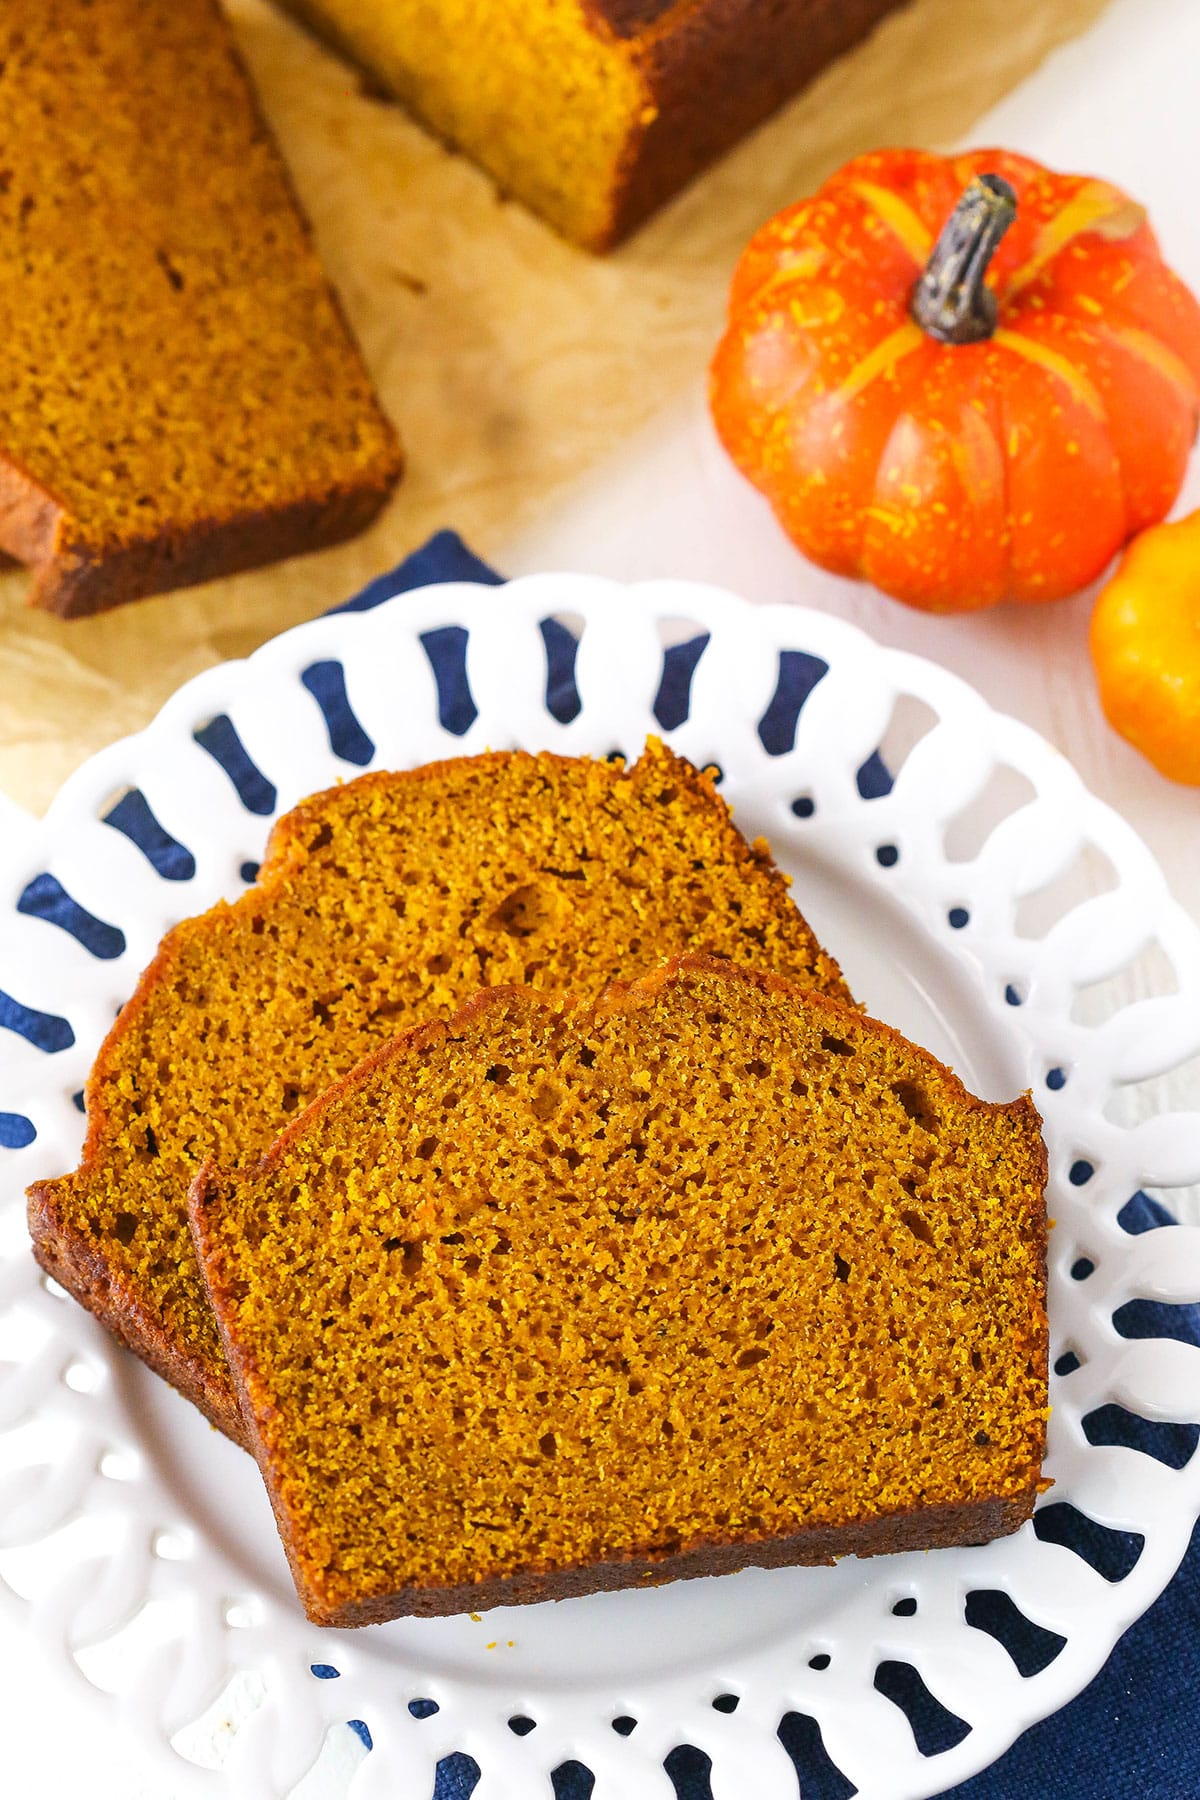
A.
x: 510, y: 362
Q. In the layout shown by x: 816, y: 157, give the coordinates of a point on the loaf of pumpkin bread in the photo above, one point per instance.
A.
x: 593, y: 112
x: 182, y: 396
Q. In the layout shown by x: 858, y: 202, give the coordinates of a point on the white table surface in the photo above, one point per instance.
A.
x: 1120, y: 102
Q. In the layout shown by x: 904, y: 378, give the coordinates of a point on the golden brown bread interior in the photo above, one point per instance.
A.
x: 182, y: 396
x: 380, y: 904
x: 593, y: 112
x: 539, y: 1301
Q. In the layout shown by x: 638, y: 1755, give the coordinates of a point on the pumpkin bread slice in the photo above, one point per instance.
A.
x: 537, y: 1302
x: 380, y: 904
x: 592, y: 112
x: 182, y: 396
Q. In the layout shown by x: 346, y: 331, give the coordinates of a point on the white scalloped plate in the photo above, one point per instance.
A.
x: 138, y: 1546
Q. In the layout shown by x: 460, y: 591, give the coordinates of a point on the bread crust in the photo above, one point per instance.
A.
x: 715, y: 69
x: 933, y: 1528
x: 67, y: 1256
x: 925, y: 1528
x: 76, y: 583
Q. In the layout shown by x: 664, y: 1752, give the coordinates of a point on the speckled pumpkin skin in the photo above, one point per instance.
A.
x: 957, y: 476
x: 1145, y: 644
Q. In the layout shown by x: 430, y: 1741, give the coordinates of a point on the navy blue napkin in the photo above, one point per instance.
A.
x: 1132, y: 1734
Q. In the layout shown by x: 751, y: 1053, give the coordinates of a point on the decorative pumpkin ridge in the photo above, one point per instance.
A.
x: 964, y: 379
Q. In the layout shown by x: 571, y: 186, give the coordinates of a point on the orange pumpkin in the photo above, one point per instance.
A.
x: 959, y: 419
x: 1145, y: 642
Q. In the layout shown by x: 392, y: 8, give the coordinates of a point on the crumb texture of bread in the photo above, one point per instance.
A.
x: 182, y: 395
x: 718, y: 1273
x: 380, y: 904
x: 592, y: 112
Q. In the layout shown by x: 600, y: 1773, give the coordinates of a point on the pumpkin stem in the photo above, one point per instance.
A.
x: 950, y: 301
